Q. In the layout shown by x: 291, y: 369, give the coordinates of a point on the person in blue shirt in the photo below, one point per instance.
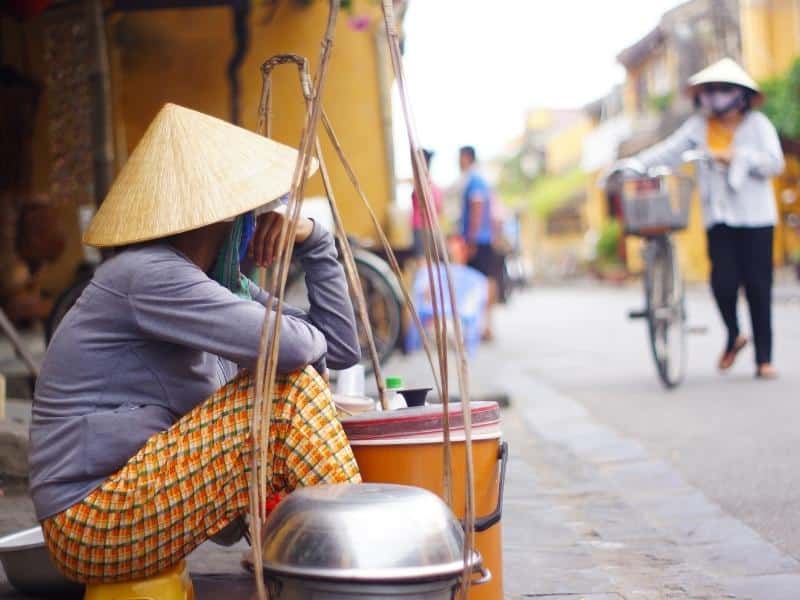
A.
x: 477, y: 227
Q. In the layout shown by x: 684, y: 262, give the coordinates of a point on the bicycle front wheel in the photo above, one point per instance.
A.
x: 666, y: 311
x: 383, y: 308
x: 385, y: 312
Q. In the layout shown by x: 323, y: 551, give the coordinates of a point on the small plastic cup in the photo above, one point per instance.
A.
x: 351, y: 381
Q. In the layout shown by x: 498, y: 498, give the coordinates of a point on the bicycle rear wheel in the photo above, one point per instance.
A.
x: 666, y: 311
x: 384, y: 308
x: 385, y: 313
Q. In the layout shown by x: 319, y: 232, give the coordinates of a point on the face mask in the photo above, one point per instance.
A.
x: 718, y: 102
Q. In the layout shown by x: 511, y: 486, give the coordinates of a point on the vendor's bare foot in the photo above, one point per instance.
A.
x: 766, y: 371
x: 729, y: 356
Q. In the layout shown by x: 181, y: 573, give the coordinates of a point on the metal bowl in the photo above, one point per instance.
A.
x: 365, y: 533
x: 30, y: 569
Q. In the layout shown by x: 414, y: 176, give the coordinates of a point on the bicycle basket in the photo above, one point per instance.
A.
x: 649, y: 207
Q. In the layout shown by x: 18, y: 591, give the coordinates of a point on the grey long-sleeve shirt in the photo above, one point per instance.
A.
x: 151, y: 337
x: 741, y: 194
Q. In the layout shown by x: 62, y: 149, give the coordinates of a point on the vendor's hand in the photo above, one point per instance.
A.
x: 264, y: 246
x: 722, y: 156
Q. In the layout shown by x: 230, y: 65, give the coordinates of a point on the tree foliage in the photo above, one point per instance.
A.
x: 607, y: 247
x: 782, y: 104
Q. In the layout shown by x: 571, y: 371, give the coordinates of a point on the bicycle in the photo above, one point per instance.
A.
x: 653, y: 208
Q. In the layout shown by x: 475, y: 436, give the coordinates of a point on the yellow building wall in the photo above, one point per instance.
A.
x: 565, y: 148
x: 595, y: 210
x: 770, y: 44
x: 181, y: 55
x: 630, y: 95
x: 539, y: 119
x: 770, y: 35
x: 23, y: 49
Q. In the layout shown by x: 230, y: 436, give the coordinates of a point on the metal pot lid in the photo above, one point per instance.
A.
x: 22, y: 540
x: 364, y: 532
x: 420, y: 421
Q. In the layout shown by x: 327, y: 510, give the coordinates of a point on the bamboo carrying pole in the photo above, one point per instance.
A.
x: 266, y: 368
x: 422, y: 187
x: 436, y: 257
x: 351, y: 273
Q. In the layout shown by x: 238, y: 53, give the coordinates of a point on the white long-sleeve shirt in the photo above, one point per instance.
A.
x: 741, y: 194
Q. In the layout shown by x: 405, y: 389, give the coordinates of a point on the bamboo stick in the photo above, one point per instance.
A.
x: 266, y: 368
x: 392, y: 258
x: 422, y: 186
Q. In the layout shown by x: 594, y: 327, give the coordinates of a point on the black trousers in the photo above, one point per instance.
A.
x: 742, y: 256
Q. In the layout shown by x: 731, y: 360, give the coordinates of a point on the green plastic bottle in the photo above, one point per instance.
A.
x: 394, y: 399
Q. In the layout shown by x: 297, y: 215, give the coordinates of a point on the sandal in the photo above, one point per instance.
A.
x: 729, y: 356
x: 766, y: 371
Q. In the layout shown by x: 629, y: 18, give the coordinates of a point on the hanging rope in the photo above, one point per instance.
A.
x: 390, y: 255
x: 422, y: 188
x: 351, y: 272
x: 266, y: 367
x: 440, y: 379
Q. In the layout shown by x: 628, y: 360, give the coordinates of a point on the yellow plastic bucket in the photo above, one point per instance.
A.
x: 172, y: 584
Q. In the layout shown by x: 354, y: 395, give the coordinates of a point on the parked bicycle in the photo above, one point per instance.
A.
x: 653, y: 207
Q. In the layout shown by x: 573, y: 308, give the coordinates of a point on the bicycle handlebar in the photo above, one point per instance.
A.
x: 632, y: 168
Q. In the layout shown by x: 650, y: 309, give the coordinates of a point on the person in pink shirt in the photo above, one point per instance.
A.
x: 417, y: 215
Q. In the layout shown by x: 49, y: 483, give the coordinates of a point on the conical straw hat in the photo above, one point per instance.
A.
x: 190, y: 170
x: 724, y: 71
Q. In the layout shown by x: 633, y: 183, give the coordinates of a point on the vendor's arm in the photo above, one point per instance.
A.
x: 175, y: 301
x: 331, y: 310
x: 669, y: 151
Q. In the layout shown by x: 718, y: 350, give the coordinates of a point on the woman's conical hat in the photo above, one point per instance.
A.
x: 726, y: 70
x: 189, y: 170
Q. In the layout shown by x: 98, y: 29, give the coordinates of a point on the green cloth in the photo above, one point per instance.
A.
x: 226, y: 270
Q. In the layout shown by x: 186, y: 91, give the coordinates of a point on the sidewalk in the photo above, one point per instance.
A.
x: 589, y: 512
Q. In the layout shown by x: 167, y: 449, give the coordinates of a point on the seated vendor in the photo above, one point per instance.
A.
x: 140, y: 440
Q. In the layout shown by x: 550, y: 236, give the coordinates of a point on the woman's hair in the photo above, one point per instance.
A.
x: 749, y: 95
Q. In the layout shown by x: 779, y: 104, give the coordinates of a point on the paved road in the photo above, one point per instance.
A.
x: 733, y: 437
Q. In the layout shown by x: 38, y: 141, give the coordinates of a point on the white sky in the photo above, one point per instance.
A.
x: 475, y: 66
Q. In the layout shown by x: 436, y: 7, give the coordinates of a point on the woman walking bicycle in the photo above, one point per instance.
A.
x: 739, y: 209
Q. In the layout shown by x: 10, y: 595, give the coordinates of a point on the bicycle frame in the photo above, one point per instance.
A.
x: 665, y: 310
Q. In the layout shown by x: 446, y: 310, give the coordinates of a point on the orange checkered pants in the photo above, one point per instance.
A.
x: 187, y: 483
